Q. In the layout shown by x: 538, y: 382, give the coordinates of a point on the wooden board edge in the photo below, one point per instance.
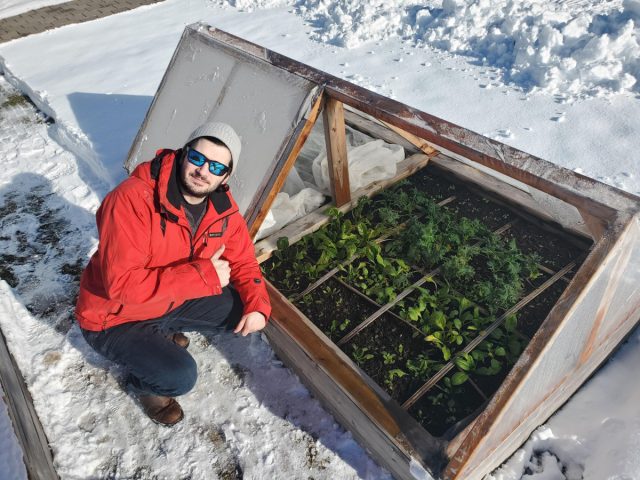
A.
x: 464, y: 458
x: 511, y: 194
x: 398, y: 427
x: 274, y: 186
x: 336, y: 146
x: 418, y: 142
x: 553, y: 402
x: 37, y: 455
x: 332, y: 398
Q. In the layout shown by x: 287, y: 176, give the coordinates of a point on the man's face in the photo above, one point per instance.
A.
x: 198, y: 182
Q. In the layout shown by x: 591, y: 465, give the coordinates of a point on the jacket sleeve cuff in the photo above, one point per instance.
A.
x: 259, y: 305
x: 208, y: 274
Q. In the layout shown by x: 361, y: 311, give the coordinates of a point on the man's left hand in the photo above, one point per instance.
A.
x: 249, y: 323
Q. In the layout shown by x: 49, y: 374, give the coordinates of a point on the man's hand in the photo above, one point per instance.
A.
x: 222, y: 267
x: 249, y: 323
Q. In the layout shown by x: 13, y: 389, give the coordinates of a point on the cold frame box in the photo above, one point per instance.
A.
x: 273, y: 102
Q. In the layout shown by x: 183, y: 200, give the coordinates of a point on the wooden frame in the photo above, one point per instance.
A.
x: 37, y: 456
x: 335, y: 136
x: 599, y: 306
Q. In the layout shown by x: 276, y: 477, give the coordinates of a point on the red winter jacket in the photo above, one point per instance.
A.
x: 148, y: 263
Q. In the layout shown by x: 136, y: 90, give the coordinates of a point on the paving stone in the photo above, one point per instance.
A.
x: 54, y: 16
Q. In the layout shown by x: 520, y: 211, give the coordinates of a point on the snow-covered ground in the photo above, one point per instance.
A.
x: 248, y: 414
x: 556, y: 79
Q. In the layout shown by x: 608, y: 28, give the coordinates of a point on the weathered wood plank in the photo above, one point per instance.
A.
x: 375, y: 128
x: 336, y: 141
x: 33, y: 441
x: 601, y: 200
x: 554, y: 363
x: 391, y: 435
x: 572, y: 220
x: 315, y: 220
x: 337, y: 402
x: 420, y: 143
x: 274, y: 186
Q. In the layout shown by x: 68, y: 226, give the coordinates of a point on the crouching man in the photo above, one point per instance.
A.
x: 174, y: 255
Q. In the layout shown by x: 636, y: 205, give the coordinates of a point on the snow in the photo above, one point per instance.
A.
x: 248, y: 412
x: 555, y: 79
x: 536, y: 45
x: 87, y: 93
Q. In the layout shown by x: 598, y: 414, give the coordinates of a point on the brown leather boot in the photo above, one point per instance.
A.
x: 179, y: 339
x: 163, y: 410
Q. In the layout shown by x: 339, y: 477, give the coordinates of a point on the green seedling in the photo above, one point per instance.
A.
x: 361, y: 355
x: 392, y: 375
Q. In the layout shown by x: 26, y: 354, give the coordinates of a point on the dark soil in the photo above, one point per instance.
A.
x: 531, y: 284
x: 383, y: 348
x: 435, y: 186
x: 347, y: 309
x: 533, y: 314
x: 74, y: 270
x: 467, y: 203
x: 400, y: 342
x: 283, y: 278
x: 9, y: 206
x: 6, y: 273
x: 555, y: 252
x: 473, y: 206
x: 438, y: 410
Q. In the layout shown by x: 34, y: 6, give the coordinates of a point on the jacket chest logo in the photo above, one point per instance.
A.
x: 225, y: 221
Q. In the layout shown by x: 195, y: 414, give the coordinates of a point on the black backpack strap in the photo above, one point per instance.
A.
x: 156, y: 163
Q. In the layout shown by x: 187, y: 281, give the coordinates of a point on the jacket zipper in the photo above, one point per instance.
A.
x: 205, y: 234
x: 225, y: 221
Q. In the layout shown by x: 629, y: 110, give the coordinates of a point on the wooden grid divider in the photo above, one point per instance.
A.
x: 376, y: 304
x: 385, y: 308
x: 485, y: 333
x: 382, y: 309
x: 425, y: 277
x: 337, y: 268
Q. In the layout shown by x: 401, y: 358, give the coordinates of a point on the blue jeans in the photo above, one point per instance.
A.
x: 156, y: 365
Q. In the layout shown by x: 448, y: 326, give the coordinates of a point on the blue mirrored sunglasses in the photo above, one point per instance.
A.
x: 198, y: 159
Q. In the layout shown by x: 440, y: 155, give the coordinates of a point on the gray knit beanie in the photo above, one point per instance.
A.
x: 222, y: 132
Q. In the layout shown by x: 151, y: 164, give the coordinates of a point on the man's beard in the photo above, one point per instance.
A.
x: 195, y: 191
